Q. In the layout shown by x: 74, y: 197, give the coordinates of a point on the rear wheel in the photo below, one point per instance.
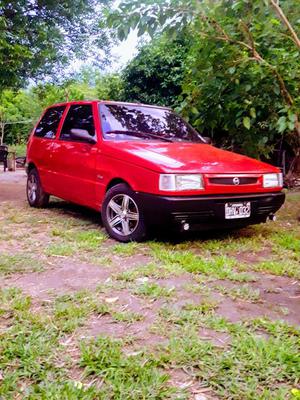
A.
x: 121, y: 214
x: 35, y: 194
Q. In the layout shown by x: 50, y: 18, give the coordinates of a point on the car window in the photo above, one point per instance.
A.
x: 78, y: 117
x: 47, y: 127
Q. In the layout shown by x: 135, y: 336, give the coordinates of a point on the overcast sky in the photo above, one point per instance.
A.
x: 125, y: 51
x: 122, y: 53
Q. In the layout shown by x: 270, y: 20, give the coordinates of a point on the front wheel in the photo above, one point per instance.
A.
x: 122, y: 215
x: 35, y: 194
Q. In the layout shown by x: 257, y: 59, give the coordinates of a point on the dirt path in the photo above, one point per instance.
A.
x: 12, y: 186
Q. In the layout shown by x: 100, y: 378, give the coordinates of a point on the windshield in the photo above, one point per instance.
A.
x: 134, y: 122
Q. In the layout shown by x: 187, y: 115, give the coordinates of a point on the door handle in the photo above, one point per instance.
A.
x: 88, y: 149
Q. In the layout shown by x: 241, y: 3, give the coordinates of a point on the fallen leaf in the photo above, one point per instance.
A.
x: 200, y: 397
x: 185, y: 385
x: 111, y: 299
x: 134, y: 353
x: 144, y: 279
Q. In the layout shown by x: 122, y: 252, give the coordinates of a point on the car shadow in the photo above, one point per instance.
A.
x: 84, y: 214
x: 177, y: 237
x: 161, y: 234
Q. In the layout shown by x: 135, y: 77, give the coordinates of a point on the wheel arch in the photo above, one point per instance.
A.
x: 30, y: 166
x: 115, y: 181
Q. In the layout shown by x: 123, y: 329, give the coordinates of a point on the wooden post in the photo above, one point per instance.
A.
x: 11, y: 161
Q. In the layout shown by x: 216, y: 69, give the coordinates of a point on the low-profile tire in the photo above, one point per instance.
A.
x: 35, y: 194
x: 122, y: 214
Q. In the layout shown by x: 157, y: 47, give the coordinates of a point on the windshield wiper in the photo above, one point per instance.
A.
x: 140, y: 134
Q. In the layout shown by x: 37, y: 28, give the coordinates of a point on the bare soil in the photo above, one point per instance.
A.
x: 12, y: 186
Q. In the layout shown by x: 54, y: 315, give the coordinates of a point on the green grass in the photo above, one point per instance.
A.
x: 219, y: 267
x: 126, y: 316
x: 29, y: 349
x: 128, y: 249
x: 244, y: 292
x: 191, y: 314
x: 153, y: 290
x: 251, y: 368
x: 60, y: 249
x: 71, y: 311
x: 235, y: 242
x: 35, y: 365
x: 75, y: 242
x: 278, y: 268
x: 150, y: 270
x: 88, y: 240
x: 12, y: 301
x: 125, y: 377
x: 288, y: 241
x: 19, y: 263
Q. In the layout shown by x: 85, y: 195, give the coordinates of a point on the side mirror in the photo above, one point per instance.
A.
x: 83, y: 134
x: 207, y: 139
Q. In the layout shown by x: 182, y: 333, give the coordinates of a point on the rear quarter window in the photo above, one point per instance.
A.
x: 47, y: 127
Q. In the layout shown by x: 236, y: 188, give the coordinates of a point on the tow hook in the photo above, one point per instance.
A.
x: 272, y: 217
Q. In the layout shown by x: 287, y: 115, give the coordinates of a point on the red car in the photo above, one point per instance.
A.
x: 143, y: 165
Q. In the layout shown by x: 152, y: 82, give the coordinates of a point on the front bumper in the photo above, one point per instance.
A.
x: 207, y: 212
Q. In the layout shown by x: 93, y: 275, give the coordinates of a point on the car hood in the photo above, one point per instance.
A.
x: 185, y: 157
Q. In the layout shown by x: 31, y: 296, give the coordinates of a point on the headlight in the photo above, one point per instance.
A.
x: 178, y: 182
x: 272, y: 180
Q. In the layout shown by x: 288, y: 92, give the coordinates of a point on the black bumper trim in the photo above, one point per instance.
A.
x: 207, y: 211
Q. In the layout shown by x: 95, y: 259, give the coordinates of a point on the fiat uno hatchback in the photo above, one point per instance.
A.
x: 144, y: 166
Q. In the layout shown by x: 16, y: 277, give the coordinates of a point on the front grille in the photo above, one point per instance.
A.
x: 230, y: 180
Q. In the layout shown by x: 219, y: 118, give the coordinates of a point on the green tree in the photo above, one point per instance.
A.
x: 19, y: 110
x: 18, y: 113
x: 242, y: 72
x: 39, y: 37
x: 156, y: 74
x: 109, y: 87
x: 242, y: 83
x: 49, y: 94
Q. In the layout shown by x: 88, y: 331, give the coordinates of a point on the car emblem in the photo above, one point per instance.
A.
x: 236, y: 181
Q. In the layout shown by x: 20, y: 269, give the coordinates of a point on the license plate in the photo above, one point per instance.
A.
x: 237, y: 210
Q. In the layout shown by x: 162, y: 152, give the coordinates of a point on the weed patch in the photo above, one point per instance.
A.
x: 125, y: 377
x: 18, y: 263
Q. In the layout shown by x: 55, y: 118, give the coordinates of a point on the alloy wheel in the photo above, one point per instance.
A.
x: 122, y: 214
x: 32, y: 188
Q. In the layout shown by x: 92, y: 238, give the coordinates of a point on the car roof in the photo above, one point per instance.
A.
x: 107, y: 102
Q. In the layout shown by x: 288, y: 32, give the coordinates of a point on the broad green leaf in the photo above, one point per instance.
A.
x: 246, y: 122
x: 252, y: 112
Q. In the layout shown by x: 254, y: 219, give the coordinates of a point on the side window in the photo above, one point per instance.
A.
x: 79, y: 117
x: 47, y: 127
